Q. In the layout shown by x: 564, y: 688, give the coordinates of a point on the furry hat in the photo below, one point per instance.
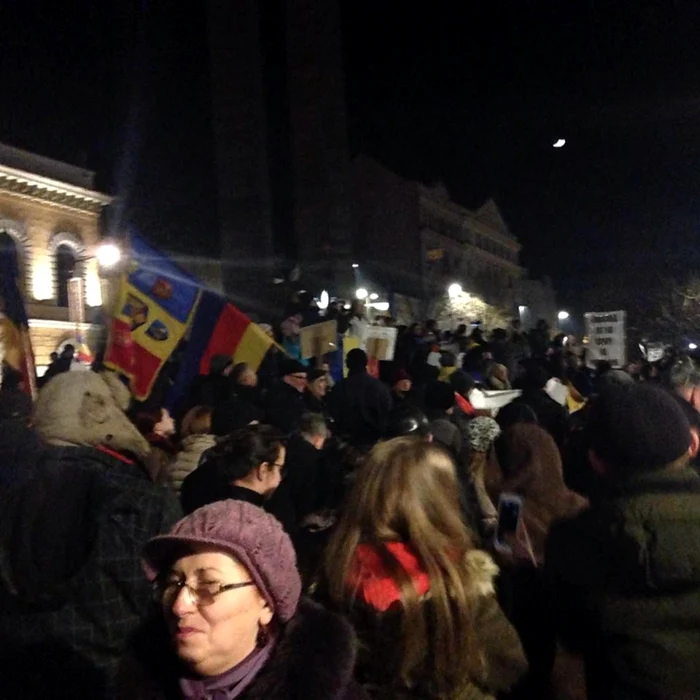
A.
x: 84, y: 408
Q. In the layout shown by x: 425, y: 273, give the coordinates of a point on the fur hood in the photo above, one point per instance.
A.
x: 314, y: 660
x: 84, y: 408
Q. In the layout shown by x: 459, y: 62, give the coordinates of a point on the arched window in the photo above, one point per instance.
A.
x: 9, y: 256
x: 66, y: 267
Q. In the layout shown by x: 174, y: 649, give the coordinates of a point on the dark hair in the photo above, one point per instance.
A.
x: 239, y: 453
x: 356, y: 359
x: 408, y: 420
x: 515, y: 412
x: 238, y: 371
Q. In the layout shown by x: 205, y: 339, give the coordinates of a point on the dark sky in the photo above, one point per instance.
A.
x: 474, y: 97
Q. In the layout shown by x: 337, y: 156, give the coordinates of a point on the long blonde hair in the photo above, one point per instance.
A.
x: 407, y: 491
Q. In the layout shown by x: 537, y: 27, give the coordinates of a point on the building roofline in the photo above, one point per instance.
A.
x: 51, y: 185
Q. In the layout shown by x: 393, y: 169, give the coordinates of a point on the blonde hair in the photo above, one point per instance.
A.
x: 197, y: 421
x: 407, y: 491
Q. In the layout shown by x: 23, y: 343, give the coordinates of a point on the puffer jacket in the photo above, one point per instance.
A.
x: 626, y: 575
x: 187, y: 460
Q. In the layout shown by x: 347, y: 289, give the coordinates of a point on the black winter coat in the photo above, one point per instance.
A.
x: 72, y: 589
x: 313, y: 660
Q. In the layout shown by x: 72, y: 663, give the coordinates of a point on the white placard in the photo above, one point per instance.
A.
x: 492, y: 400
x: 606, y: 338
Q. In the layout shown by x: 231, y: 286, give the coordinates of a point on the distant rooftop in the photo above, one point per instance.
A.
x: 46, y: 167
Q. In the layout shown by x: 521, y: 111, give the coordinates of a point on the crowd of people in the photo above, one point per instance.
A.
x: 292, y: 534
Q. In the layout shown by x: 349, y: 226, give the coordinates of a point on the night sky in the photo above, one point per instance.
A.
x: 473, y: 97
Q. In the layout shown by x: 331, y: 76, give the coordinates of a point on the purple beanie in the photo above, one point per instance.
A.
x: 255, y: 538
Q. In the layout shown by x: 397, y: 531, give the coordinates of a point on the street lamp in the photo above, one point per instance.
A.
x: 355, y: 266
x: 108, y: 255
x: 563, y: 315
x: 361, y: 293
x: 324, y: 300
x: 373, y: 296
x: 692, y: 346
x: 454, y: 290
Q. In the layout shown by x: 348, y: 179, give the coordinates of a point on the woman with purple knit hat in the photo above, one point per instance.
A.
x: 232, y: 623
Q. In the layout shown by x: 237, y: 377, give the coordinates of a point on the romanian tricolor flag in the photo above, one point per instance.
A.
x: 15, y: 345
x: 154, y: 308
x: 219, y: 328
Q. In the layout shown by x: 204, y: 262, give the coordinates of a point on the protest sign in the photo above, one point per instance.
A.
x: 606, y: 338
x: 380, y: 343
x: 319, y: 339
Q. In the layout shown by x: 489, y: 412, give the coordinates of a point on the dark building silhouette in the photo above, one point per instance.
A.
x: 280, y: 132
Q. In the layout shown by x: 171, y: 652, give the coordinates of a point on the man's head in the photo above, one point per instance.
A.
x: 293, y: 373
x: 684, y: 380
x: 243, y: 374
x: 638, y: 428
x: 516, y: 325
x: 252, y: 457
x: 53, y: 356
x: 313, y: 428
x: 356, y: 361
x: 68, y: 351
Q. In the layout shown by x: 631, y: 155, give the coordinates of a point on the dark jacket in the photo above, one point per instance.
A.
x: 206, y: 485
x: 285, y: 407
x: 626, y: 575
x: 72, y: 589
x: 313, y: 660
x: 550, y: 415
x: 360, y: 405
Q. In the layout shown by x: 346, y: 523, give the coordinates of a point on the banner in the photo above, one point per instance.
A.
x: 607, y: 340
x: 154, y: 308
x: 219, y: 328
x: 16, y: 350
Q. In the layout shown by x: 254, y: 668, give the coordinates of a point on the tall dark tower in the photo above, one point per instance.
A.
x: 284, y: 179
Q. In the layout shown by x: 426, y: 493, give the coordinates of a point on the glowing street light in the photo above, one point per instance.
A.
x: 692, y: 346
x: 381, y: 305
x: 373, y: 296
x: 559, y: 143
x: 522, y: 309
x: 324, y: 300
x: 108, y: 255
x: 454, y: 290
x: 355, y: 266
x: 361, y: 293
x: 563, y: 315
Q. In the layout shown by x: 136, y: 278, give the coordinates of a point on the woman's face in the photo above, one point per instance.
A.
x: 212, y: 638
x: 319, y: 387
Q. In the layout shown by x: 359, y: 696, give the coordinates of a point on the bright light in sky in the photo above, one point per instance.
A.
x: 559, y: 143
x: 361, y: 293
x: 324, y: 300
x: 692, y: 346
x: 563, y: 315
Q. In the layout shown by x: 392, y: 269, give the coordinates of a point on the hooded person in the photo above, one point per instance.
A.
x: 69, y: 578
x: 529, y: 465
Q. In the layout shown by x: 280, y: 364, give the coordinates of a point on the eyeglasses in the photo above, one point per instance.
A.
x: 167, y: 590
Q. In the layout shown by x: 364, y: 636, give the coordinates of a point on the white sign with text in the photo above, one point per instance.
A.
x: 606, y: 338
